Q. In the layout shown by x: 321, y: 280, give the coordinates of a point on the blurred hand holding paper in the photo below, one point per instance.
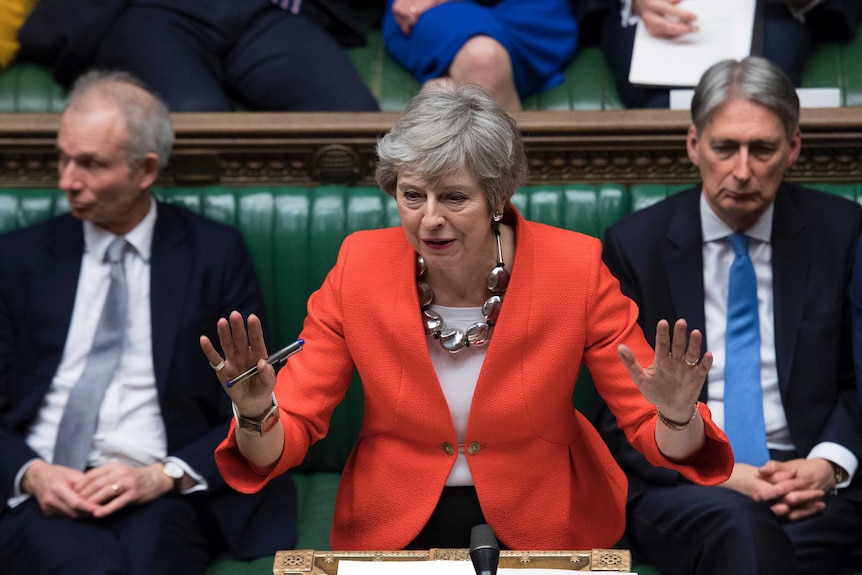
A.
x: 725, y: 29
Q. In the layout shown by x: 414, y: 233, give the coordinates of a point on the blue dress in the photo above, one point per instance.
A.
x: 541, y: 37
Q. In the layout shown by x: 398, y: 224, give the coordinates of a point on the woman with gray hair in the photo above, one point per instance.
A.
x: 468, y: 326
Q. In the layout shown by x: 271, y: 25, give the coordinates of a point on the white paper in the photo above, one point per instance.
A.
x: 405, y: 568
x: 808, y: 98
x: 725, y: 31
x: 432, y: 568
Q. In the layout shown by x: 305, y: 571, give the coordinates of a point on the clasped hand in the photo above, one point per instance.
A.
x: 97, y: 492
x: 793, y: 489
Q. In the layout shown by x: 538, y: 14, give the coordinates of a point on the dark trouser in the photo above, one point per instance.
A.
x: 200, y: 55
x: 163, y: 537
x: 452, y: 521
x: 685, y: 529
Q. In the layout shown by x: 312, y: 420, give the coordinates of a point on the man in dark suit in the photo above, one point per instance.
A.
x: 147, y: 497
x: 786, y: 32
x: 798, y: 508
x: 206, y: 55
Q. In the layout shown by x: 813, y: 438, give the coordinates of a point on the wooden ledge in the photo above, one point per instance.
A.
x: 310, y: 562
x: 307, y: 149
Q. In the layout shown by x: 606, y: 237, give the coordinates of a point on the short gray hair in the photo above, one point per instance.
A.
x: 444, y: 130
x: 147, y: 118
x: 754, y: 78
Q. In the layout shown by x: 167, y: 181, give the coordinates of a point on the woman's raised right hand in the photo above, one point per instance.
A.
x: 244, y: 347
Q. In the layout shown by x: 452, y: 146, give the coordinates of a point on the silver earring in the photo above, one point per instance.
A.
x: 497, y: 216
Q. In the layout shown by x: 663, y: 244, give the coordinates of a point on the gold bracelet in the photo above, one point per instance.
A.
x: 673, y: 425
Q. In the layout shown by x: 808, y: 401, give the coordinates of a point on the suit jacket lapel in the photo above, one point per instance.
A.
x: 791, y: 256
x: 683, y: 265
x: 64, y: 247
x: 683, y: 261
x: 171, y: 265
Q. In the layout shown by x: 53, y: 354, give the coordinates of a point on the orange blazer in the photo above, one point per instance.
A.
x: 543, y: 475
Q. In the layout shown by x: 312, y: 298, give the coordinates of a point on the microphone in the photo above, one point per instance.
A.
x: 484, y: 550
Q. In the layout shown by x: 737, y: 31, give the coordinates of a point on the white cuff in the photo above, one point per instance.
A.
x: 18, y: 496
x: 200, y: 482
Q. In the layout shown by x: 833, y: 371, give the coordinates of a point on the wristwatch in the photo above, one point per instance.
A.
x: 840, y: 475
x: 258, y: 425
x: 173, y: 470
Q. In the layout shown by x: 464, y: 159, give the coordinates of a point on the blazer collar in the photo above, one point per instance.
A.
x: 56, y: 283
x: 683, y: 260
x: 171, y: 267
x: 791, y: 257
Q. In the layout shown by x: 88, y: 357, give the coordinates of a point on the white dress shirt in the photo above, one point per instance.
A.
x: 717, y: 259
x: 130, y: 427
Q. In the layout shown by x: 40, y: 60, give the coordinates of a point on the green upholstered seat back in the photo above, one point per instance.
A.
x: 26, y: 87
x: 294, y: 234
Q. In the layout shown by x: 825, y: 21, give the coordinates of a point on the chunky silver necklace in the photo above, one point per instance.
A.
x: 454, y: 340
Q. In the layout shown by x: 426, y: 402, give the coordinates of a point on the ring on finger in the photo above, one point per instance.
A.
x: 691, y: 363
x: 413, y: 9
x: 218, y: 367
x: 115, y: 488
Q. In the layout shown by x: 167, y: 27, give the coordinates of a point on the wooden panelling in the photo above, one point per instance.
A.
x: 306, y: 149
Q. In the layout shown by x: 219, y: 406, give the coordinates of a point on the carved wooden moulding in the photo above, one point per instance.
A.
x: 310, y: 149
x: 310, y: 562
x: 336, y: 164
x: 345, y: 165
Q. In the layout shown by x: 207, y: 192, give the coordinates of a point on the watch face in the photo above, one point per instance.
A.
x: 173, y: 470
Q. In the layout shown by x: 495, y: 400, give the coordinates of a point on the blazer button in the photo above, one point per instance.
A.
x: 473, y: 448
x: 448, y: 448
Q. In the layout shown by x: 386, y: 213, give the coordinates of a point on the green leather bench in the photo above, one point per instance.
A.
x: 27, y: 87
x: 293, y: 235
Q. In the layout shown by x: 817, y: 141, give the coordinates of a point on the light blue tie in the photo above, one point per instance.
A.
x: 75, y: 434
x: 743, y: 395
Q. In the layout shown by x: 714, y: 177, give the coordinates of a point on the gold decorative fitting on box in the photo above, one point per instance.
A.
x: 308, y: 562
x: 610, y: 560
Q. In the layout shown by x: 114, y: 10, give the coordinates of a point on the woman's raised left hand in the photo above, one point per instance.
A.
x: 674, y: 380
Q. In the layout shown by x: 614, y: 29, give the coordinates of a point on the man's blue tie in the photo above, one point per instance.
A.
x: 743, y: 395
x: 75, y: 435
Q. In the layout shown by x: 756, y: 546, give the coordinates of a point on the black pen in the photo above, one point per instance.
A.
x: 277, y: 357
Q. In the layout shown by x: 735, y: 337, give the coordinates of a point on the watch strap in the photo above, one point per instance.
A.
x: 260, y: 425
